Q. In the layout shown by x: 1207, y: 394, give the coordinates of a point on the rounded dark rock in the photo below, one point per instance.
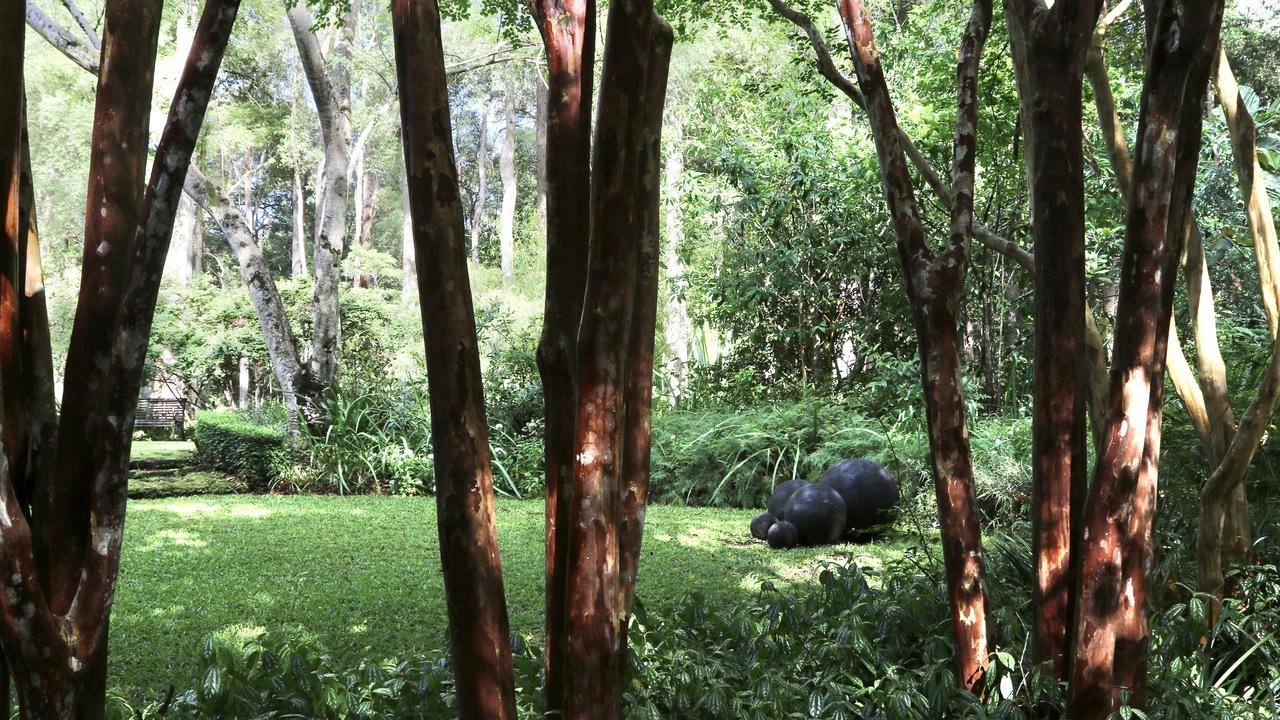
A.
x: 783, y: 535
x: 781, y: 495
x: 870, y: 494
x: 818, y: 512
x: 761, y: 524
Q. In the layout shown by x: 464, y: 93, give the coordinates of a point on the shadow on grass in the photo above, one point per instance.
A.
x: 360, y: 576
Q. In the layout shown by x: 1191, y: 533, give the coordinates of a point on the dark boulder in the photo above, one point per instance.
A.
x: 818, y: 512
x: 761, y: 524
x: 870, y: 494
x: 781, y: 495
x: 783, y: 535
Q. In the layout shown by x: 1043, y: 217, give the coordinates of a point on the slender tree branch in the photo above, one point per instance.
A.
x: 83, y: 22
x: 74, y: 48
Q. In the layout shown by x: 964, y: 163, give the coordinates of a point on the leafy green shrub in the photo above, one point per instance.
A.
x: 377, y: 441
x: 256, y: 454
x: 735, y: 459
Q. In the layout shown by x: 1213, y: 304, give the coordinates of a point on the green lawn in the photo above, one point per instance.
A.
x: 163, y: 450
x: 361, y: 575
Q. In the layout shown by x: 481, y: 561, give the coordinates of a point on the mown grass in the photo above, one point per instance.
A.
x: 360, y: 575
x: 163, y: 450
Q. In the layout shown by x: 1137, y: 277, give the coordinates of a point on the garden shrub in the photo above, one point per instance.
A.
x: 256, y: 454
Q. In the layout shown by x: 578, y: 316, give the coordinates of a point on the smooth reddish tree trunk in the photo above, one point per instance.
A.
x: 1115, y: 558
x: 57, y: 599
x: 934, y: 285
x: 596, y: 618
x: 1049, y: 50
x: 568, y: 29
x: 638, y: 391
x: 479, y: 634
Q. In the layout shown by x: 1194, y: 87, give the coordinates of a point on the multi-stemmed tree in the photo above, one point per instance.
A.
x: 63, y: 478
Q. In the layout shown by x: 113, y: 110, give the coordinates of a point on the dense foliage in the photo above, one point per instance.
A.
x: 256, y: 454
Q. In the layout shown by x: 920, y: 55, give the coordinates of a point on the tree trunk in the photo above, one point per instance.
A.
x: 1236, y: 532
x: 595, y: 617
x: 64, y: 550
x: 1111, y: 596
x: 677, y: 326
x: 331, y: 90
x: 934, y: 286
x: 568, y: 33
x: 298, y: 251
x: 482, y: 183
x: 638, y: 392
x: 1049, y: 52
x: 408, y: 257
x: 301, y: 392
x: 479, y: 634
x: 507, y: 227
x: 540, y: 92
x: 178, y: 262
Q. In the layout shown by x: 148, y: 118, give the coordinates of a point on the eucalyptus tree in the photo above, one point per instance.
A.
x: 63, y: 476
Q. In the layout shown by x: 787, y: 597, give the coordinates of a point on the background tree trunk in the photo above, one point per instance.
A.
x: 677, y: 326
x: 300, y: 391
x: 408, y: 257
x: 479, y: 634
x: 482, y: 182
x: 331, y: 90
x: 507, y: 226
x: 298, y: 251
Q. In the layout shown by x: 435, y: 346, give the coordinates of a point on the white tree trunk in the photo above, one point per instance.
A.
x: 299, y: 250
x: 331, y: 91
x: 482, y: 189
x: 244, y: 382
x: 506, y: 230
x: 179, y: 264
x: 409, y: 258
x: 677, y: 326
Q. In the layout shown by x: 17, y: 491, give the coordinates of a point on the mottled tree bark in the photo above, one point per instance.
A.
x: 301, y: 391
x: 1049, y: 48
x: 638, y: 391
x: 479, y: 634
x: 595, y: 618
x: 568, y: 31
x: 934, y: 284
x: 1115, y: 560
x: 331, y: 90
x: 64, y: 549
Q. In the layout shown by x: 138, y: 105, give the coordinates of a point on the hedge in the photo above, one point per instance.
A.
x: 254, y: 453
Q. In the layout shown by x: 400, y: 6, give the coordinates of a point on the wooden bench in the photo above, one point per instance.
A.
x: 154, y: 413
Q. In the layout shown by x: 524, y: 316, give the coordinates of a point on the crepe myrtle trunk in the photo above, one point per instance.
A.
x: 1115, y: 559
x: 638, y: 391
x: 478, y: 629
x: 568, y: 31
x: 63, y: 550
x: 1049, y: 50
x: 934, y: 286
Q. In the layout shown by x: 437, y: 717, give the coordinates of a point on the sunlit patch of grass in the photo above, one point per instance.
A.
x: 361, y: 575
